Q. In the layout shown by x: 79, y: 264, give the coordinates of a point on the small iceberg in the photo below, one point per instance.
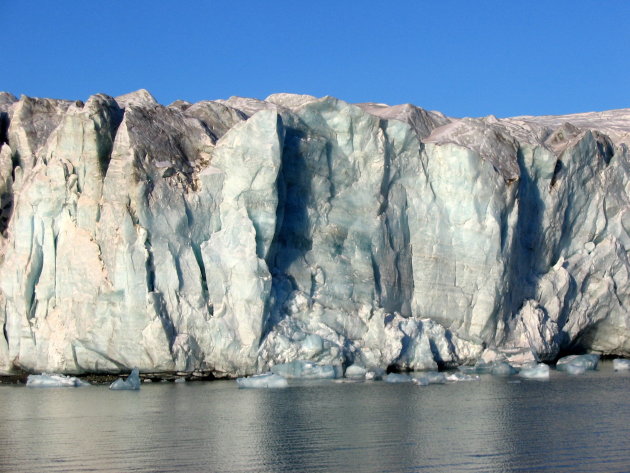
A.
x: 47, y: 380
x: 301, y: 369
x: 537, y: 371
x: 496, y: 368
x: 577, y: 364
x: 458, y: 376
x: 621, y: 364
x: 435, y: 377
x: 397, y: 378
x: 483, y: 368
x: 429, y: 377
x: 375, y: 374
x: 132, y: 383
x: 502, y: 368
x: 355, y: 372
x: 266, y: 380
x: 466, y: 369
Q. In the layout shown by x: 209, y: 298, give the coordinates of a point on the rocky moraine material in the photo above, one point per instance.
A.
x: 229, y: 236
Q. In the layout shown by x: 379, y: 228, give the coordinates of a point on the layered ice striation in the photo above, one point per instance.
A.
x: 233, y: 236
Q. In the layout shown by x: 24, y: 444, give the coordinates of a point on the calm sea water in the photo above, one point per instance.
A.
x: 495, y: 424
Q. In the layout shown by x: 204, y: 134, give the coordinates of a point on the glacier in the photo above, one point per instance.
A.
x: 227, y: 237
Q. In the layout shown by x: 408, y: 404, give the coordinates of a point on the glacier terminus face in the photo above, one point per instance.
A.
x: 227, y: 237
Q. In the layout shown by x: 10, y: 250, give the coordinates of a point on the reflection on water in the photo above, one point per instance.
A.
x: 565, y: 424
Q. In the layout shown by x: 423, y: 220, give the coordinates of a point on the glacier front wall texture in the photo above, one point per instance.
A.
x: 229, y: 236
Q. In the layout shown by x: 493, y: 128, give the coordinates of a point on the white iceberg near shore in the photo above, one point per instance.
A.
x: 459, y: 376
x: 621, y: 364
x: 47, y: 380
x: 301, y: 369
x: 131, y: 383
x: 355, y: 372
x: 538, y: 371
x: 394, y: 378
x: 577, y: 364
x: 502, y: 368
x: 265, y: 380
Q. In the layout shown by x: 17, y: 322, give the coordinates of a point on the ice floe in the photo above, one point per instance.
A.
x: 535, y: 371
x: 266, y: 380
x: 48, y: 380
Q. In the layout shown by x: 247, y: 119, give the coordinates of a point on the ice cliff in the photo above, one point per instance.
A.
x: 229, y: 236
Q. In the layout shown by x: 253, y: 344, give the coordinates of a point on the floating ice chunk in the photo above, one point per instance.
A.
x: 47, y: 380
x: 537, y: 371
x: 502, y: 368
x: 430, y: 377
x: 397, y: 378
x: 306, y: 370
x: 375, y: 374
x: 265, y: 380
x: 621, y: 364
x: 457, y: 376
x: 421, y: 381
x: 180, y: 380
x: 576, y: 364
x: 435, y: 377
x: 355, y: 372
x: 574, y: 368
x: 132, y: 383
x: 483, y: 368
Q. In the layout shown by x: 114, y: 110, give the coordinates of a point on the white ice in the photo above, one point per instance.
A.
x: 577, y: 364
x: 46, y: 380
x: 397, y: 378
x: 355, y: 372
x: 132, y: 383
x: 266, y: 380
x: 429, y: 377
x: 502, y: 368
x: 621, y: 364
x: 538, y: 371
x: 301, y: 369
x: 375, y: 374
x: 458, y: 376
x: 326, y: 230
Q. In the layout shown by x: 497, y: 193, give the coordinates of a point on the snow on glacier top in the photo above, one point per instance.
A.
x: 614, y: 123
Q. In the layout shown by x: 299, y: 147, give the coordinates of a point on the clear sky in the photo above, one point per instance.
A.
x: 464, y: 58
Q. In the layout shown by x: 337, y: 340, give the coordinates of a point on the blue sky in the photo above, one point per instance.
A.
x: 464, y: 58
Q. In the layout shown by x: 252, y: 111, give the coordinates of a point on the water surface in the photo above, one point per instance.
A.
x: 495, y: 424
